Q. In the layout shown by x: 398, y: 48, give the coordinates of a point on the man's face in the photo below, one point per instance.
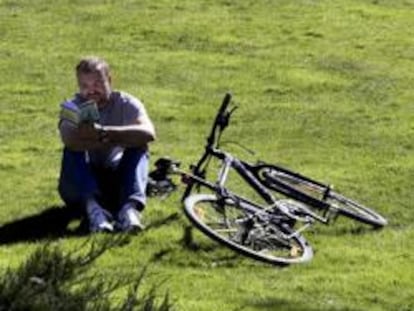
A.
x: 95, y: 86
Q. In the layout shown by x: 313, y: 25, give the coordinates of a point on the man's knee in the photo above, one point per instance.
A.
x: 76, y: 181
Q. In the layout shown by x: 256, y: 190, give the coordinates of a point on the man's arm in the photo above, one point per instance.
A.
x: 138, y: 134
x: 95, y: 136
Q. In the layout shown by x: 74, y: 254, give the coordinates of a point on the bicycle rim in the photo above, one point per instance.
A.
x: 338, y: 204
x: 354, y: 210
x: 231, y: 225
x: 294, y: 181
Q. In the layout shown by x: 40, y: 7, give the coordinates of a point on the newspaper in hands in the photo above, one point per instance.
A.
x: 86, y: 112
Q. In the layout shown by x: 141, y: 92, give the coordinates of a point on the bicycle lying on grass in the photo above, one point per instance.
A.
x: 270, y: 231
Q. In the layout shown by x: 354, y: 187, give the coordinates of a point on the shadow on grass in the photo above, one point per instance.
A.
x: 53, y: 223
x: 353, y: 229
x: 50, y: 223
x: 162, y: 222
x: 271, y: 304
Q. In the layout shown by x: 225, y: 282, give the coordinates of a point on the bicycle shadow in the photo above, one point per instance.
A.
x: 51, y: 223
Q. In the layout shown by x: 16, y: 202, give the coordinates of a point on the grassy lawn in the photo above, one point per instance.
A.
x: 323, y: 87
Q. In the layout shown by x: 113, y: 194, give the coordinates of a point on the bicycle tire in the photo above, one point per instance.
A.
x: 265, y: 241
x: 318, y: 195
x: 354, y: 210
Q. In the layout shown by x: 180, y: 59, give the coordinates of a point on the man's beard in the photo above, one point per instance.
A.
x: 100, y: 99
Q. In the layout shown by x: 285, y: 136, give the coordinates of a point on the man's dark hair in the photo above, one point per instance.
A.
x: 92, y: 64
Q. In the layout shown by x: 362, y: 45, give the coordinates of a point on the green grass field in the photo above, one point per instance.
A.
x: 323, y: 87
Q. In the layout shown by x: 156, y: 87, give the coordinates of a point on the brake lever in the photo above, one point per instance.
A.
x: 232, y: 110
x: 224, y: 121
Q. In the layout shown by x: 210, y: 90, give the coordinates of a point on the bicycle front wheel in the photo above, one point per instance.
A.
x: 235, y: 226
x: 317, y: 195
x: 354, y: 210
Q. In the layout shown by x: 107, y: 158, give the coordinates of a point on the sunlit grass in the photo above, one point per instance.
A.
x: 323, y: 87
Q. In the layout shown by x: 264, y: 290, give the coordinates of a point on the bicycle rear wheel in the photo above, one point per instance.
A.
x: 318, y: 195
x: 236, y: 226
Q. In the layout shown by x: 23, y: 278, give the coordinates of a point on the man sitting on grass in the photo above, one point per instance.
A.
x: 105, y: 156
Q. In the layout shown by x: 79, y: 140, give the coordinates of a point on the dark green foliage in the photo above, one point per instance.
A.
x: 52, y: 280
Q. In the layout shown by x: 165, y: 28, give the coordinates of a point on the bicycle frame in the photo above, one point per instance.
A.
x: 249, y: 175
x: 248, y: 172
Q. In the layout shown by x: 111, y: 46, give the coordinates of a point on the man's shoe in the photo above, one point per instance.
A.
x: 129, y: 219
x: 99, y: 220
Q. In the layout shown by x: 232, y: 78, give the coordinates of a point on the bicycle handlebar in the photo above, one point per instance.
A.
x: 221, y: 120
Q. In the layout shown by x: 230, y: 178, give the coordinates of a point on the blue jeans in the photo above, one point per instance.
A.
x: 111, y: 187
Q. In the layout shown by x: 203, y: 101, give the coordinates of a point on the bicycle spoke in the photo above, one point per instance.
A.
x: 247, y: 231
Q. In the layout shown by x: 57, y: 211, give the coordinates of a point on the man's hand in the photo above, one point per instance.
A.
x: 87, y: 131
x: 85, y: 136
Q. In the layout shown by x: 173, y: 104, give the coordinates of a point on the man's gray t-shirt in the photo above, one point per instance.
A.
x: 122, y: 109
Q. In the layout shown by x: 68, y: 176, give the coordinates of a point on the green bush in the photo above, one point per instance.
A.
x: 52, y: 280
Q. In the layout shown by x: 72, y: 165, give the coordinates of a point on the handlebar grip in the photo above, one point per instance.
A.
x: 225, y: 104
x: 218, y: 123
x: 219, y: 118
